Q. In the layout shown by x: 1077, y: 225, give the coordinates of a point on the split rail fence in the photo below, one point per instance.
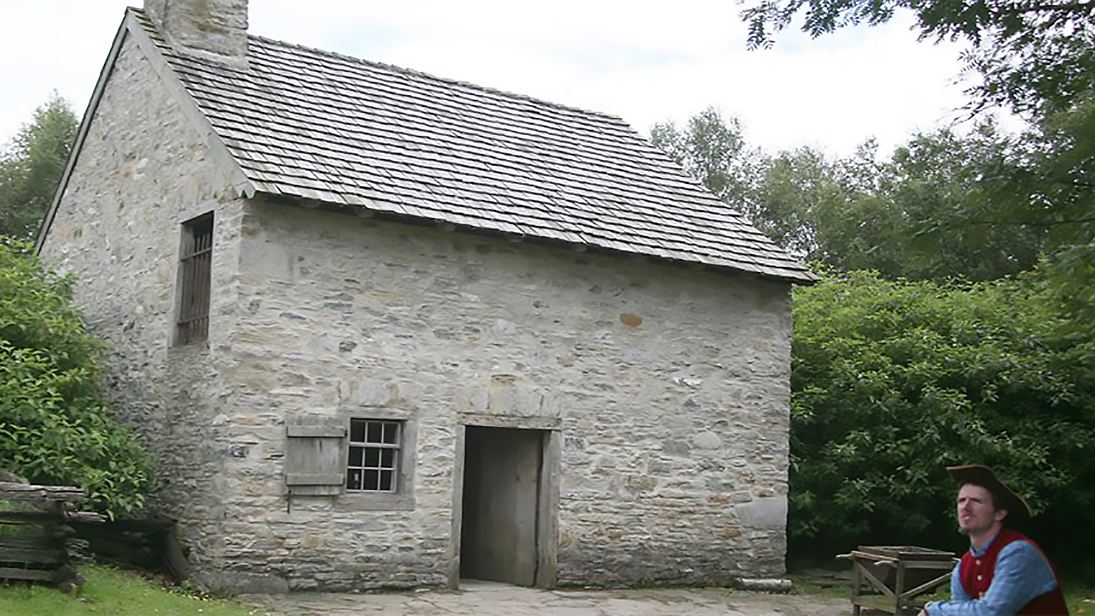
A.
x: 37, y: 540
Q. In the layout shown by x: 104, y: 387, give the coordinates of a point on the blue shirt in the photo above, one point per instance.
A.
x: 1021, y: 574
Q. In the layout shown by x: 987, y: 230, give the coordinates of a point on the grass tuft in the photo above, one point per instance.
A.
x: 111, y: 592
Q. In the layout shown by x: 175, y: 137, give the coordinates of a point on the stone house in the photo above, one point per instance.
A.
x: 383, y: 329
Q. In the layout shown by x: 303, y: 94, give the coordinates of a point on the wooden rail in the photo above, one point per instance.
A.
x: 36, y: 540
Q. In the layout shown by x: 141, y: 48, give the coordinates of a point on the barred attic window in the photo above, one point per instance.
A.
x: 373, y: 464
x: 195, y: 269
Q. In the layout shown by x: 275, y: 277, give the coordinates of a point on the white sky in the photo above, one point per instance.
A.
x: 637, y: 59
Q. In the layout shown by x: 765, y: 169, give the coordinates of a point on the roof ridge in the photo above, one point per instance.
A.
x: 447, y: 80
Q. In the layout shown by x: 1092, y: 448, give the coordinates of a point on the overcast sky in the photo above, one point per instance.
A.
x: 637, y: 59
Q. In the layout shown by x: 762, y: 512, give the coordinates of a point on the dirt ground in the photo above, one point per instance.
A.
x: 493, y: 599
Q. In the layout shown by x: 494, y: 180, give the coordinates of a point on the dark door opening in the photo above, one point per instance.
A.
x: 499, y: 538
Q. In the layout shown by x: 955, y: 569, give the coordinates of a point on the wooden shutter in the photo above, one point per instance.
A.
x: 313, y: 459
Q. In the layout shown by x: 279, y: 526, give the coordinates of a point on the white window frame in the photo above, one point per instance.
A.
x: 374, y: 448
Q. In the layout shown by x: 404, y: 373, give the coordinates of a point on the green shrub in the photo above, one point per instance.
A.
x: 893, y: 381
x: 54, y: 426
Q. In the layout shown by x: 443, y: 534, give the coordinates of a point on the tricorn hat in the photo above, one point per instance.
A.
x: 983, y: 476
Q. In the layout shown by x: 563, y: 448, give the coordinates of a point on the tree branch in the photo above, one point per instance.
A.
x: 1071, y: 7
x: 1027, y: 223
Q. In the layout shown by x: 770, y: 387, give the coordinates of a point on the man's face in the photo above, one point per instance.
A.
x: 976, y: 513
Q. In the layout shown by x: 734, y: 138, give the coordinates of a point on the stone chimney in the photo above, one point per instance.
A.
x: 214, y: 29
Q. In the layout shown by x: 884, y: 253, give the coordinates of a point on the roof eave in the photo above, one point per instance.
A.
x: 781, y: 274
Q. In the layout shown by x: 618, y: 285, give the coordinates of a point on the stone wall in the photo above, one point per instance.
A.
x: 669, y: 384
x: 141, y: 173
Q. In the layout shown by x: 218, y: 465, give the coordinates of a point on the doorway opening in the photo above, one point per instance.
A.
x: 505, y: 511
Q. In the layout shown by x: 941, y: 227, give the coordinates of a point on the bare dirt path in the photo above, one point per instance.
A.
x: 492, y: 599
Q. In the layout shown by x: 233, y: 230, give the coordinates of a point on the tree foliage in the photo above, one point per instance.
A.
x: 828, y: 210
x: 55, y: 428
x: 31, y: 166
x: 893, y: 380
x: 1052, y: 186
x: 945, y: 204
x: 712, y: 150
x: 1036, y: 58
x: 940, y: 191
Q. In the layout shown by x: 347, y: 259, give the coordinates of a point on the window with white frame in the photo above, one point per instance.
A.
x: 373, y: 455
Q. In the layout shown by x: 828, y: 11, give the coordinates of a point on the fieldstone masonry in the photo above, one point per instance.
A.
x: 142, y: 171
x: 667, y: 385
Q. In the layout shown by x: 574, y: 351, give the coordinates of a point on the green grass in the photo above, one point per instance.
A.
x: 110, y: 592
x: 806, y: 586
x: 1079, y: 595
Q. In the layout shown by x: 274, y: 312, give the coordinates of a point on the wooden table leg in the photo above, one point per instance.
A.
x: 899, y: 604
x: 856, y: 581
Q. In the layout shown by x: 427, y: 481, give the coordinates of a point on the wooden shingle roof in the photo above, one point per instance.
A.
x: 320, y: 126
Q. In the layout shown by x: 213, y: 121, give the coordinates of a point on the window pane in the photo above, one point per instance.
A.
x: 353, y: 479
x: 372, y: 457
x: 387, y: 458
x: 372, y: 480
x: 374, y: 432
x: 357, y: 431
x: 391, y: 433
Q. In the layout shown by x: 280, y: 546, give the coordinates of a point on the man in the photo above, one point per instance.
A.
x: 1003, y: 573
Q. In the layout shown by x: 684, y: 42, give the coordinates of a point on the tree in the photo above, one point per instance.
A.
x: 934, y: 210
x: 1054, y: 183
x: 893, y: 380
x: 54, y: 426
x: 948, y: 189
x: 1036, y: 58
x: 782, y: 196
x: 793, y: 191
x: 1032, y: 57
x: 714, y: 152
x: 1024, y: 197
x: 832, y: 211
x: 31, y: 166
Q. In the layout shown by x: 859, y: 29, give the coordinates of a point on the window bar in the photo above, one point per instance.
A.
x: 197, y: 269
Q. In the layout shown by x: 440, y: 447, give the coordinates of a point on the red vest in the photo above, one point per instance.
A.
x: 977, y: 574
